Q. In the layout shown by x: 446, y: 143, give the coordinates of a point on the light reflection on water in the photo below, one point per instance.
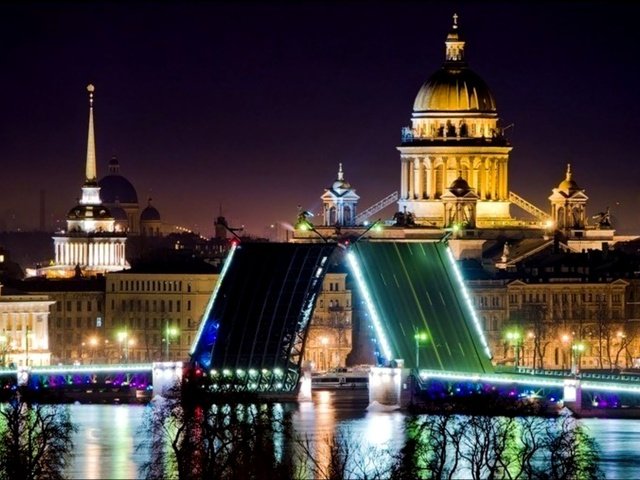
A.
x: 105, y: 444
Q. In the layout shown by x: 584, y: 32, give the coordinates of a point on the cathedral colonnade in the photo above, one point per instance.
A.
x: 427, y: 177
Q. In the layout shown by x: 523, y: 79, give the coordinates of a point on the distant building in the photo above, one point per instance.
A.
x: 76, y: 327
x: 24, y: 329
x: 330, y: 336
x: 92, y: 242
x: 154, y: 315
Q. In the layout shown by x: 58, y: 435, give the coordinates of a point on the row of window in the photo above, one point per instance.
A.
x: 132, y: 322
x: 132, y: 305
x: 79, y: 303
x: 147, y: 339
x: 150, y: 286
x: 564, y: 297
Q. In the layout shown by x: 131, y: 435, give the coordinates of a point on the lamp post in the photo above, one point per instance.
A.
x: 565, y: 342
x: 419, y: 337
x: 513, y: 337
x: 93, y: 342
x: 3, y: 348
x: 169, y: 332
x: 576, y: 351
x: 26, y: 344
x: 122, y: 338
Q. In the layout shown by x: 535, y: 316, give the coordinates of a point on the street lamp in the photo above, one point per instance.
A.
x: 576, y: 349
x: 3, y: 348
x: 93, y: 342
x: 169, y: 332
x: 513, y: 337
x: 565, y: 338
x: 419, y: 337
x: 122, y: 338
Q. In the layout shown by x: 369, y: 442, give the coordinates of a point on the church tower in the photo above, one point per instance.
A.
x: 568, y: 205
x: 91, y: 243
x: 339, y: 203
x: 454, y: 133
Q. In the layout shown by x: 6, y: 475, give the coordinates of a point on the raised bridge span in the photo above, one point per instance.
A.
x: 252, y: 335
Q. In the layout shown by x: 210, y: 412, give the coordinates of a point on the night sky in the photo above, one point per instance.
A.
x: 252, y: 106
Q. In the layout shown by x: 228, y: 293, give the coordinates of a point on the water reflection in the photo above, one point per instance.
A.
x: 105, y: 441
x: 105, y: 444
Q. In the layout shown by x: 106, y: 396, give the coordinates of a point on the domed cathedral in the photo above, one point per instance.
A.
x: 453, y: 137
x: 91, y: 244
x: 119, y: 195
x: 339, y: 203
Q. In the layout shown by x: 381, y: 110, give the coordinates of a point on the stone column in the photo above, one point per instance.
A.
x: 403, y: 177
x: 428, y: 171
x: 417, y: 178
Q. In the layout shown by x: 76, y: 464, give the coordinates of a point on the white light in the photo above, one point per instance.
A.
x: 377, y: 324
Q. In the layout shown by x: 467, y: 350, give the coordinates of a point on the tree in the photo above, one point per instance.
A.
x: 35, y: 440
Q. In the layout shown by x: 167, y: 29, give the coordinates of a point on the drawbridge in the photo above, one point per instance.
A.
x: 254, y: 328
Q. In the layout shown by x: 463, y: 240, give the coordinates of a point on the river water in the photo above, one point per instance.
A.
x: 108, y: 435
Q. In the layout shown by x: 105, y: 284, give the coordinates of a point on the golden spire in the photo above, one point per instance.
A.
x: 91, y: 143
x: 568, y: 174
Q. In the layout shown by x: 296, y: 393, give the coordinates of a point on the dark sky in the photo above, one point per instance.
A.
x: 252, y: 105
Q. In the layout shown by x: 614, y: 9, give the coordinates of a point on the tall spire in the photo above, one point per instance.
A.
x: 454, y: 43
x: 91, y: 143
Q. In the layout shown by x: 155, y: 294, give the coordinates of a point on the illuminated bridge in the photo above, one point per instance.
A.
x: 253, y: 332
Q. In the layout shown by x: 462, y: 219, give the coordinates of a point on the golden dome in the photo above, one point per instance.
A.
x: 454, y: 89
x: 568, y: 185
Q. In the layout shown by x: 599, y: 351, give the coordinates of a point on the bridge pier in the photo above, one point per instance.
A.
x: 572, y: 396
x: 388, y: 386
x: 165, y: 376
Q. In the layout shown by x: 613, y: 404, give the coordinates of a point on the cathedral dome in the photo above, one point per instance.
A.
x: 569, y: 185
x: 118, y: 213
x: 150, y: 214
x: 454, y: 88
x: 116, y: 188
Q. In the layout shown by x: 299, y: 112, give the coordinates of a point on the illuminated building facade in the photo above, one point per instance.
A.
x: 24, y: 330
x: 329, y: 338
x: 454, y: 133
x: 155, y: 316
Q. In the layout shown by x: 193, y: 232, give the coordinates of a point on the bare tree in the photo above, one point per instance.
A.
x: 35, y: 440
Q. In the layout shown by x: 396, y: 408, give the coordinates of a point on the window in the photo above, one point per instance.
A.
x: 189, y: 287
x: 58, y: 306
x: 189, y: 305
x: 68, y: 305
x: 177, y: 305
x: 88, y: 305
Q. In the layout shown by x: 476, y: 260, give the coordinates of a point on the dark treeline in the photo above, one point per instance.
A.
x: 249, y: 440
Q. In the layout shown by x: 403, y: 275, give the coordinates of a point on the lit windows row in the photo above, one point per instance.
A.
x: 150, y: 286
x: 137, y: 305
